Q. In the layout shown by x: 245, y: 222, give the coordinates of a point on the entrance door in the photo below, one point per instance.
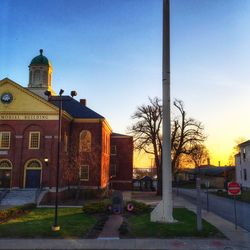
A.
x: 33, y: 178
x: 5, y: 175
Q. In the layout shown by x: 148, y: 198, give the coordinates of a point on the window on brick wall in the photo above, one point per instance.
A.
x: 113, y: 170
x: 85, y: 141
x: 4, y: 140
x: 113, y: 150
x: 84, y: 172
x: 34, y: 140
x: 65, y: 143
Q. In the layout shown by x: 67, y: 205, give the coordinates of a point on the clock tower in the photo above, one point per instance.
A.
x: 40, y: 74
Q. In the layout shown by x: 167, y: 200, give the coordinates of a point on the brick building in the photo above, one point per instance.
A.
x: 90, y: 152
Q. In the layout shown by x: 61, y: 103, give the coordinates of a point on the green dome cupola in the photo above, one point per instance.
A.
x: 40, y: 60
x: 40, y: 75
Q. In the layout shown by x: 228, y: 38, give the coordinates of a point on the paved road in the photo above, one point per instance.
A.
x: 222, y: 206
x: 124, y: 244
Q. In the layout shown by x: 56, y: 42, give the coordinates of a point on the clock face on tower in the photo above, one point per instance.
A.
x: 6, y: 98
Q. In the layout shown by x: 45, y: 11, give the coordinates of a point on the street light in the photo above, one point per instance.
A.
x: 55, y: 226
x: 46, y: 161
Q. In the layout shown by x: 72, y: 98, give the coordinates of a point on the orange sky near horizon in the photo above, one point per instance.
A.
x: 219, y: 151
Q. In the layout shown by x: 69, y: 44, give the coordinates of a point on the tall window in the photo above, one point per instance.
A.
x: 4, y: 140
x: 84, y: 173
x: 85, y: 141
x: 113, y: 150
x: 245, y: 174
x: 37, y: 77
x: 65, y: 143
x: 244, y: 154
x: 34, y: 140
x: 113, y: 170
x: 105, y: 143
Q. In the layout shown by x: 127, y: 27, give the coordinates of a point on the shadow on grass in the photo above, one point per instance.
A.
x: 37, y: 224
x: 141, y: 227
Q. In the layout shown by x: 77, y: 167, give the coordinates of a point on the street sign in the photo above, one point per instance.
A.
x: 233, y: 188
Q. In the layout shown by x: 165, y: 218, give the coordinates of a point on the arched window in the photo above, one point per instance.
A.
x: 37, y: 77
x: 34, y: 164
x: 4, y: 164
x: 85, y: 141
x: 45, y: 77
x: 5, y: 173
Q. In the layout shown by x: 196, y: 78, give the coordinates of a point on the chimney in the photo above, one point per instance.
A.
x: 83, y: 102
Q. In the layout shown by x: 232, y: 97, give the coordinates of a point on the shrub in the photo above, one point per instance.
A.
x: 99, y: 207
x: 14, y: 211
x: 89, y: 194
x: 123, y: 228
x: 139, y: 207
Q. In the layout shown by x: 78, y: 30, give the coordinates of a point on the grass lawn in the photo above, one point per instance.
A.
x: 245, y: 196
x: 38, y: 222
x: 140, y: 227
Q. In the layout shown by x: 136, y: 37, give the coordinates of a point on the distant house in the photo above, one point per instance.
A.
x: 216, y: 176
x: 146, y: 183
x: 242, y: 162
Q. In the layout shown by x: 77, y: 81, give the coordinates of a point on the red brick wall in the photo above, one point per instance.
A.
x: 98, y: 159
x: 19, y: 153
x: 105, y: 156
x: 93, y: 158
x: 124, y: 162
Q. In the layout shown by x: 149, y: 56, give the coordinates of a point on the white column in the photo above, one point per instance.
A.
x: 163, y: 212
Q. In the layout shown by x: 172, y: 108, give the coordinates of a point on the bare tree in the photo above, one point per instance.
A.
x: 187, y: 133
x: 76, y: 158
x: 198, y: 156
x: 147, y: 131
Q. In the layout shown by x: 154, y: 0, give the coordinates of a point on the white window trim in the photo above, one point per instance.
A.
x: 9, y: 162
x: 39, y: 136
x: 113, y: 146
x: 6, y: 132
x: 84, y: 165
x: 115, y: 169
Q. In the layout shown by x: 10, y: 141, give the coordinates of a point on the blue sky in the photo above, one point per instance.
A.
x: 110, y: 52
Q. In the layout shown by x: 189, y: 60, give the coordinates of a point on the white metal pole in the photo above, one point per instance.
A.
x: 164, y: 211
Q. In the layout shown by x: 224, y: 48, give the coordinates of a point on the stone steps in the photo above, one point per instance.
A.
x: 19, y: 197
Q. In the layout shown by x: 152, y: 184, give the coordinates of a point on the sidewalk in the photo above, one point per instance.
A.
x: 138, y: 244
x: 111, y: 227
x: 238, y: 236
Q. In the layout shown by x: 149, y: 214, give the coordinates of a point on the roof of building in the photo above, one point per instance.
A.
x: 244, y: 143
x: 214, y: 171
x: 74, y: 108
x: 41, y: 59
x: 119, y: 135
